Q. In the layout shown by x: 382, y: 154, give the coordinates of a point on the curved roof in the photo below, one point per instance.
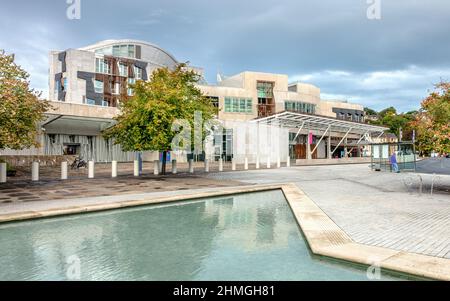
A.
x: 106, y: 43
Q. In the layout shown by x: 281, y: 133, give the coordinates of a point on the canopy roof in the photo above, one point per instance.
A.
x: 294, y: 120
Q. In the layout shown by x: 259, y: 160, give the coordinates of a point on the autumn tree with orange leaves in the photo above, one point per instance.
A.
x: 432, y: 123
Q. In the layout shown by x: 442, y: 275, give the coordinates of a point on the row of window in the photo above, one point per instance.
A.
x: 301, y: 107
x: 99, y: 87
x: 103, y: 66
x: 238, y: 105
x: 350, y: 117
x: 128, y: 51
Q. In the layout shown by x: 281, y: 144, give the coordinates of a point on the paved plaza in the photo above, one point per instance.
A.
x: 374, y: 208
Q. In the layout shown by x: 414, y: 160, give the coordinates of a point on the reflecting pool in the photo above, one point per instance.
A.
x: 243, y: 237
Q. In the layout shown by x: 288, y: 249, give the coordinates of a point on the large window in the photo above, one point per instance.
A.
x: 301, y: 107
x: 238, y: 105
x: 124, y: 51
x: 102, y: 66
x: 137, y: 72
x: 98, y: 86
x: 265, y: 89
x: 123, y: 70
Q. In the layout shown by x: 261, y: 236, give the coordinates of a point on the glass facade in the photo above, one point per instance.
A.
x: 265, y: 89
x: 128, y: 51
x: 123, y: 70
x: 238, y: 105
x: 102, y: 66
x: 137, y: 72
x: 301, y: 107
x: 98, y: 86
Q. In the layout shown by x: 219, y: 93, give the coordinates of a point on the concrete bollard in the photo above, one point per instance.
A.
x: 278, y: 162
x: 91, y: 169
x: 3, y: 168
x: 174, y: 166
x: 220, y: 164
x: 246, y: 163
x: 233, y: 164
x: 206, y: 165
x: 257, y: 162
x: 114, y: 169
x: 136, y: 172
x: 35, y: 171
x: 191, y: 166
x: 156, y: 167
x: 64, y: 170
x: 268, y: 162
x: 288, y: 161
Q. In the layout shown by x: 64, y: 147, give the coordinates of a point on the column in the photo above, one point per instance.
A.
x: 64, y: 170
x: 136, y: 172
x: 246, y: 163
x: 156, y: 167
x: 191, y: 165
x: 329, y: 146
x: 174, y: 166
x: 114, y: 169
x: 91, y: 171
x: 3, y: 168
x: 220, y: 164
x: 206, y: 165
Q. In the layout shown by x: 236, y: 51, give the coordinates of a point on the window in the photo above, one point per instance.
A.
x: 98, y: 86
x: 131, y: 81
x: 90, y: 102
x: 102, y: 66
x: 137, y: 72
x: 65, y: 85
x: 124, y: 51
x: 105, y: 103
x: 301, y: 107
x: 238, y: 105
x: 265, y: 89
x: 123, y: 70
x: 116, y: 89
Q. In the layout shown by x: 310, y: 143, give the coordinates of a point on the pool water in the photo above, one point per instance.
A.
x: 243, y: 237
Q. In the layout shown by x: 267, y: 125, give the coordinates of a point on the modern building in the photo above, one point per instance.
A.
x: 87, y: 84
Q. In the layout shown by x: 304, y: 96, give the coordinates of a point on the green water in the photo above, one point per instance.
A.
x: 243, y: 237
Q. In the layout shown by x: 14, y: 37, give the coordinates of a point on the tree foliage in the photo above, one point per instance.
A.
x: 433, y: 121
x: 394, y: 121
x: 20, y: 107
x: 147, y: 117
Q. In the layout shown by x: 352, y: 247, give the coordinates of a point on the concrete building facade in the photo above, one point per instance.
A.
x: 87, y: 85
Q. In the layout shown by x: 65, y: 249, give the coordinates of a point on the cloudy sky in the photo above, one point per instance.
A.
x: 332, y: 44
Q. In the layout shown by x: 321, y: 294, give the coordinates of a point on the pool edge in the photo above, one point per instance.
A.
x: 326, y: 238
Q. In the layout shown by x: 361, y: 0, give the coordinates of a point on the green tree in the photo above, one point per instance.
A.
x: 20, y: 107
x: 146, y: 119
x: 433, y: 121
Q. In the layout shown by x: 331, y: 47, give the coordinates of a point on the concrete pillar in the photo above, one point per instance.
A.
x: 268, y: 161
x: 156, y: 167
x: 64, y: 170
x: 114, y: 169
x: 136, y: 172
x: 257, y: 162
x: 206, y: 165
x: 278, y: 162
x: 191, y: 166
x: 233, y: 164
x: 35, y: 171
x: 91, y: 169
x: 345, y: 148
x: 3, y: 169
x: 220, y: 164
x: 308, y: 150
x: 288, y: 161
x: 174, y: 166
x: 329, y: 146
x: 246, y: 163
